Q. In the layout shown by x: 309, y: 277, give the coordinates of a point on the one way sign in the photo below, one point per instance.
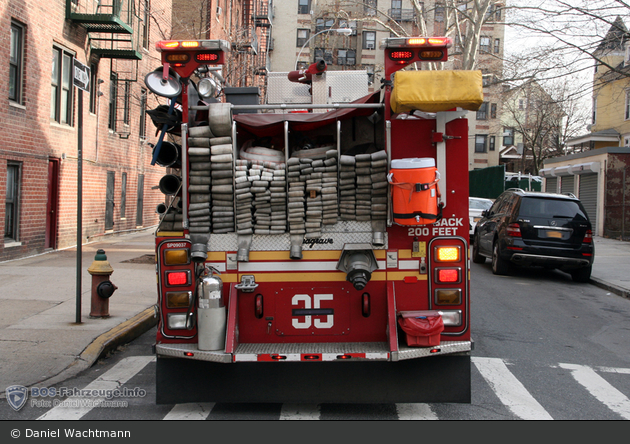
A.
x: 81, y: 76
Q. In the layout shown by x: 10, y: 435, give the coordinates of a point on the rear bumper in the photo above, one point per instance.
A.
x: 527, y: 259
x: 309, y: 352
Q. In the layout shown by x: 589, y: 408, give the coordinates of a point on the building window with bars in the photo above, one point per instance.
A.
x: 16, y: 62
x: 12, y: 202
x: 492, y: 142
x: 143, y: 114
x: 113, y: 99
x: 484, y: 44
x: 493, y: 111
x: 61, y: 99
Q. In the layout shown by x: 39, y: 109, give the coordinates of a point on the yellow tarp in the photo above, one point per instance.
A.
x: 433, y: 91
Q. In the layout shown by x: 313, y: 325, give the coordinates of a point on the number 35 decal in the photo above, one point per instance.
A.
x: 312, y: 307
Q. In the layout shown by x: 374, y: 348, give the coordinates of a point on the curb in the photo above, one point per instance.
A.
x: 610, y: 287
x: 107, y: 342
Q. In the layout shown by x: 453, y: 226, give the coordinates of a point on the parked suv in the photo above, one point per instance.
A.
x: 526, y: 228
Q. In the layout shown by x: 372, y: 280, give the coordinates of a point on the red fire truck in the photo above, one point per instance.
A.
x: 320, y: 255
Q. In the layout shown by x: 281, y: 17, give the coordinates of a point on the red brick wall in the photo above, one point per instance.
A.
x: 29, y: 136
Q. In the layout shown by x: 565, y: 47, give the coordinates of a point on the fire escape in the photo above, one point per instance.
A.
x: 257, y: 22
x: 116, y: 31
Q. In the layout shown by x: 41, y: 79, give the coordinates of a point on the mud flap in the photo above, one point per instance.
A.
x: 435, y: 379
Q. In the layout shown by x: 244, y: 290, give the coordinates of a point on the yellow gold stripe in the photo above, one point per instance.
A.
x: 404, y: 254
x: 216, y: 256
x: 380, y: 254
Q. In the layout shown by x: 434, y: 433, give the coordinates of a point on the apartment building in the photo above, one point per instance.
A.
x: 53, y: 130
x: 305, y: 30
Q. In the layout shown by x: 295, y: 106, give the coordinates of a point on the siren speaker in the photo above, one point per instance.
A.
x: 169, y: 86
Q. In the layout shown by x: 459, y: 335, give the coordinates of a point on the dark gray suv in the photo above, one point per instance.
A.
x: 526, y: 228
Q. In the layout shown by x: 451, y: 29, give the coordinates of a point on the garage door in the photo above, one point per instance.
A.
x: 567, y: 184
x: 588, y: 196
x: 551, y: 185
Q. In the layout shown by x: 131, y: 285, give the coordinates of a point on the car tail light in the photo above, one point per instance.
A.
x: 178, y: 278
x: 513, y: 230
x: 588, y: 237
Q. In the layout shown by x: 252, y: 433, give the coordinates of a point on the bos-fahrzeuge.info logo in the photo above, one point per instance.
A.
x: 17, y: 395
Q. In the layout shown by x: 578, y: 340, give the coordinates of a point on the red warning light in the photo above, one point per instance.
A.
x: 401, y: 55
x: 207, y: 57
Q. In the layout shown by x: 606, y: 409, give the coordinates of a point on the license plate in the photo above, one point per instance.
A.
x: 553, y: 234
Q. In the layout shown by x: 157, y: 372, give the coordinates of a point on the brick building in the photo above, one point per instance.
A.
x: 39, y: 156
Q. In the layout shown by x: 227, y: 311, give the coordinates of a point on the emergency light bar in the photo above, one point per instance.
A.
x: 416, y: 49
x: 186, y: 55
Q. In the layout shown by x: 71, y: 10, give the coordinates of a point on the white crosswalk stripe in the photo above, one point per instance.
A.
x: 300, y: 412
x: 600, y: 389
x: 190, y: 412
x: 510, y: 390
x: 75, y: 408
x: 415, y: 412
x: 505, y: 385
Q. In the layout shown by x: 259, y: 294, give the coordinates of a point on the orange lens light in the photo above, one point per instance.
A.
x: 431, y: 55
x: 178, y: 299
x: 437, y: 42
x: 176, y: 257
x: 177, y: 58
x: 168, y: 44
x: 417, y: 41
x: 447, y: 254
x: 448, y: 297
x: 190, y: 44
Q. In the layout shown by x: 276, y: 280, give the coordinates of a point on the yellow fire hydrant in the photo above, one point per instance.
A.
x: 102, y: 287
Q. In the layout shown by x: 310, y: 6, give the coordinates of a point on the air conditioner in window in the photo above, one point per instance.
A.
x: 219, y: 10
x: 369, y: 46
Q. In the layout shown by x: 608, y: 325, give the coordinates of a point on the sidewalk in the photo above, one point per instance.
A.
x: 40, y: 343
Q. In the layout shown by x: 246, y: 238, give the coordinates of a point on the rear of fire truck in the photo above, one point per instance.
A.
x: 314, y: 256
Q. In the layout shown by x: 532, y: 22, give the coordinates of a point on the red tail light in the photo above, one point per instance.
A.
x: 588, y: 237
x: 513, y: 230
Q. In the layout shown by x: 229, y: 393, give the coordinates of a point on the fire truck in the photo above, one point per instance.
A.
x: 314, y: 253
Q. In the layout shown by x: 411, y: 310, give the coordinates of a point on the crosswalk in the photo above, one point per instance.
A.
x: 512, y: 394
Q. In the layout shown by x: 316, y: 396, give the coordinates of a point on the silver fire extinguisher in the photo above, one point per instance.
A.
x: 211, y: 313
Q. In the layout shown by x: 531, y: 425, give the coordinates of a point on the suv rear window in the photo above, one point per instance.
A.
x: 536, y: 207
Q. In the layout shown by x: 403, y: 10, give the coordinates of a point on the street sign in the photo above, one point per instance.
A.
x: 81, y: 77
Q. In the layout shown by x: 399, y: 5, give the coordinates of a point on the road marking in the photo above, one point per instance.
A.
x: 415, y: 412
x: 115, y: 378
x: 600, y: 389
x: 509, y: 389
x: 300, y: 412
x: 191, y: 411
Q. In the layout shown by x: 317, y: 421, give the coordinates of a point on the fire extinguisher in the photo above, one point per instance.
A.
x: 211, y: 312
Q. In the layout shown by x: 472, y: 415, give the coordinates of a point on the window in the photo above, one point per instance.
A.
x: 346, y: 57
x: 627, y: 113
x: 11, y: 213
x: 123, y: 196
x: 323, y: 24
x: 508, y: 136
x: 325, y: 54
x: 140, y: 204
x: 481, y: 143
x: 439, y: 12
x: 16, y: 62
x: 113, y: 98
x: 484, y: 44
x: 127, y: 102
x: 145, y: 23
x: 370, y: 72
x: 302, y: 37
x: 492, y: 143
x: 493, y: 111
x: 304, y: 6
x: 497, y: 45
x: 521, y: 103
x: 93, y: 88
x: 369, y: 7
x: 594, y: 110
x: 369, y: 39
x: 482, y: 112
x: 61, y: 99
x: 143, y: 114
